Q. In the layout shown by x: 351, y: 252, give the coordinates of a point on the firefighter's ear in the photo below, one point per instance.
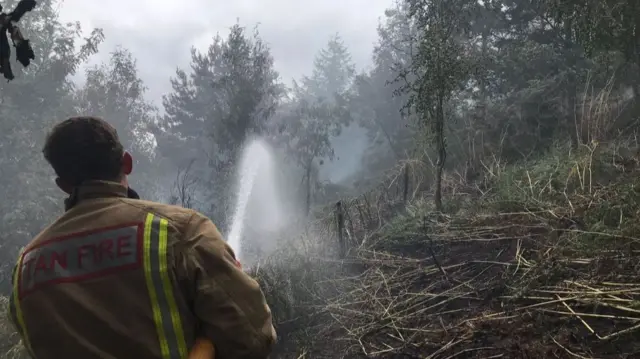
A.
x: 63, y: 186
x: 127, y: 163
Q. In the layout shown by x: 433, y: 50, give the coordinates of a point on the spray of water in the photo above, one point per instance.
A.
x: 256, y: 193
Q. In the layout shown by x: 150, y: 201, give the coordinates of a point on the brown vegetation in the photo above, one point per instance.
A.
x: 542, y: 264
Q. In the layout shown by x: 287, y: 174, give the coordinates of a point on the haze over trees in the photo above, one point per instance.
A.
x: 488, y: 158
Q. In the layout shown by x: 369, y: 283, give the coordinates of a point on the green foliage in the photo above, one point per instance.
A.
x: 317, y: 112
x: 308, y: 130
x: 378, y: 101
x: 333, y: 71
x: 439, y: 66
x: 229, y: 95
x: 595, y: 185
x: 40, y: 95
x: 601, y: 25
x: 114, y: 91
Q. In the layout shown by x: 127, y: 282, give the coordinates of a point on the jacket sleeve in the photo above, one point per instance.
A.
x: 230, y: 305
x: 13, y: 315
x: 12, y: 305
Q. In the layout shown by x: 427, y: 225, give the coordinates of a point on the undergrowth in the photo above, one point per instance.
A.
x: 541, y: 262
x: 537, y: 259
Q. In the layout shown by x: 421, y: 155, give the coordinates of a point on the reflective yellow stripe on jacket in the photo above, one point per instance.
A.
x: 15, y: 309
x: 163, y: 303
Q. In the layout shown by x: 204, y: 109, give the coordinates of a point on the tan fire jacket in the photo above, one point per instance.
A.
x: 117, y: 277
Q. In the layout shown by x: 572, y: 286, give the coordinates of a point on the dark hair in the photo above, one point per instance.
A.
x: 84, y: 148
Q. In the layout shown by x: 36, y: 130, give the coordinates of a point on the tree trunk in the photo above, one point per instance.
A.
x: 308, y: 200
x: 442, y: 152
x: 340, y: 228
x: 636, y: 84
x: 474, y: 124
x: 484, y: 94
x: 636, y: 55
x: 405, y: 185
x: 573, y: 123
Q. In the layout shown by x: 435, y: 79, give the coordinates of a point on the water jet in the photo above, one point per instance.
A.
x: 257, y: 202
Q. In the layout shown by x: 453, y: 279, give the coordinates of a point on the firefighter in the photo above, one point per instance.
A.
x: 118, y: 277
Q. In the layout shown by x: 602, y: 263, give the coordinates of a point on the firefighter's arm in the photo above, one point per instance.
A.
x: 229, y: 304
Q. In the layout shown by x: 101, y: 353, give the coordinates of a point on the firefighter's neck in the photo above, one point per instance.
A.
x: 124, y: 181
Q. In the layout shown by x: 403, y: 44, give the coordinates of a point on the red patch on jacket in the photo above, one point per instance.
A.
x: 81, y: 256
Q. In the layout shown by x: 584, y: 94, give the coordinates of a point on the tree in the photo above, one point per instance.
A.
x: 230, y: 95
x: 439, y: 66
x: 307, y: 128
x: 601, y: 25
x: 333, y: 73
x: 377, y: 103
x: 534, y: 70
x: 115, y: 92
x: 331, y: 82
x: 40, y: 95
x: 182, y: 192
x: 317, y: 112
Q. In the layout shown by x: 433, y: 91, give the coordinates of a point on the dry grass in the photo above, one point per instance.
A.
x: 519, y: 285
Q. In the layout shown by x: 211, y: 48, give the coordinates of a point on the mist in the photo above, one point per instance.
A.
x: 364, y: 158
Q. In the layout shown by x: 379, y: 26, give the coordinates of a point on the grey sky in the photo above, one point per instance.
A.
x: 159, y: 32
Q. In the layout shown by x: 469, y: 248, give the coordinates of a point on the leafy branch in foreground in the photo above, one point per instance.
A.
x: 24, y: 52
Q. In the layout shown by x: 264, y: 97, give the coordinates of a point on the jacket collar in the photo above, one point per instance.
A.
x: 98, y: 189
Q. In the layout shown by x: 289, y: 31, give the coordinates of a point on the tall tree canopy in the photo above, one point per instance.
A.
x: 229, y: 95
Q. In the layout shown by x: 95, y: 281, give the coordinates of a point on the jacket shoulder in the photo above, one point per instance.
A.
x: 178, y: 218
x: 174, y: 214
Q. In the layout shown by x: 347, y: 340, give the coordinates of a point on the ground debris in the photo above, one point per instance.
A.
x: 516, y: 285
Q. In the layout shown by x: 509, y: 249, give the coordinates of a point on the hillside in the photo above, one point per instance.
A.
x: 541, y: 263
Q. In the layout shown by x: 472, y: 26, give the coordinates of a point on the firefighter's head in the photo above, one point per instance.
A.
x: 86, y: 148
